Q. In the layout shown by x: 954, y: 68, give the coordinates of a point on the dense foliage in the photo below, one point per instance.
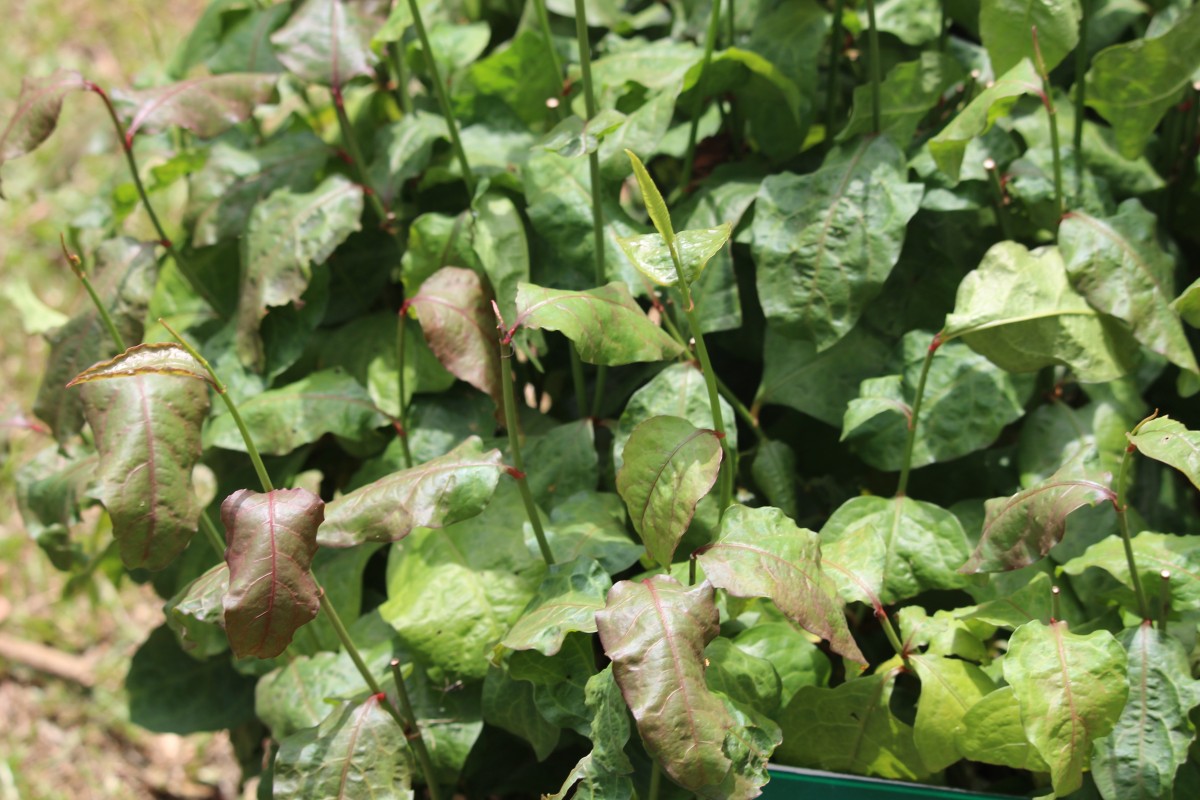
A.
x: 519, y: 403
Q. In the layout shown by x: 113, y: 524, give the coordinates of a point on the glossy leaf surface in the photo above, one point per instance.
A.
x: 762, y: 553
x: 652, y: 257
x: 440, y: 492
x: 147, y: 429
x: 1071, y: 690
x: 325, y: 42
x: 950, y: 688
x: 566, y: 601
x: 272, y: 540
x: 1169, y: 441
x: 669, y: 465
x: 605, y: 324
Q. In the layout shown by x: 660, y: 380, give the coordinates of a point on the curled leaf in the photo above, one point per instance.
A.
x: 166, y: 358
x: 272, y: 541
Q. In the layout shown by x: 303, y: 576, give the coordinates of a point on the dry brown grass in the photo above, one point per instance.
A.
x: 59, y: 739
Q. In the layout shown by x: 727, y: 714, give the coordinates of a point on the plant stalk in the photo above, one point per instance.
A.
x: 212, y: 534
x: 835, y: 58
x: 710, y: 381
x: 655, y: 781
x: 1123, y: 524
x: 443, y: 99
x: 577, y: 380
x: 402, y: 415
x: 350, y: 140
x: 1048, y: 102
x: 413, y: 732
x: 396, y: 60
x: 902, y: 486
x: 539, y: 6
x: 251, y: 449
x: 889, y: 631
x: 1081, y: 65
x: 740, y: 409
x: 710, y: 42
x: 76, y: 265
x: 184, y: 267
x: 1055, y: 604
x: 514, y: 445
x: 998, y: 198
x: 876, y: 69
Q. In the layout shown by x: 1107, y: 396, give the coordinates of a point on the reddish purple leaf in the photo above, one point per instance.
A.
x: 1021, y: 529
x: 272, y: 541
x: 37, y: 112
x: 206, y: 106
x: 326, y: 42
x: 455, y: 309
x: 762, y: 553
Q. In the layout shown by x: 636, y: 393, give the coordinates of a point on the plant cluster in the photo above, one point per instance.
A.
x: 468, y: 462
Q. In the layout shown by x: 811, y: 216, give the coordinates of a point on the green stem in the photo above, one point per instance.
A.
x: 889, y: 631
x: 402, y: 416
x: 213, y: 535
x: 1123, y: 524
x: 396, y: 60
x: 439, y: 89
x: 356, y: 157
x: 998, y: 198
x: 577, y: 380
x: 514, y: 445
x: 876, y: 69
x: 251, y: 449
x: 1164, y: 599
x: 184, y: 267
x: 413, y: 732
x: 710, y: 42
x: 1048, y: 102
x: 539, y: 7
x: 76, y: 265
x: 835, y: 58
x: 740, y: 409
x: 1055, y: 604
x: 655, y: 781
x: 943, y: 29
x: 730, y: 28
x: 1081, y: 65
x: 343, y: 635
x: 710, y: 381
x: 902, y: 486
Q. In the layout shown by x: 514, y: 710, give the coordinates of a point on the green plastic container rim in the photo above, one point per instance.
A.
x: 790, y: 782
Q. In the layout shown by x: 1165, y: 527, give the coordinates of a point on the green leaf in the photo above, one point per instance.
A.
x: 820, y: 384
x: 500, y: 244
x: 358, y: 751
x: 197, y: 612
x: 1169, y: 441
x: 454, y: 593
x: 1021, y: 529
x: 607, y: 326
x: 1153, y: 553
x: 1151, y: 739
x: 968, y: 402
x: 950, y: 687
x: 567, y: 600
x: 288, y: 233
x: 906, y: 95
x: 1057, y: 433
x: 327, y: 401
x: 517, y: 78
x: 992, y: 733
x: 440, y: 492
x: 246, y: 45
x: 560, y: 682
x: 575, y: 136
x: 1006, y: 29
x: 1012, y: 610
x: 436, y: 241
x: 1018, y: 309
x: 774, y: 472
x: 677, y: 391
x: 325, y: 42
x: 1119, y: 266
x: 124, y: 278
x: 272, y: 540
x: 655, y: 632
x: 455, y: 309
x: 913, y: 22
x: 171, y: 692
x: 669, y: 465
x: 652, y: 257
x: 850, y: 729
x: 887, y: 549
x: 36, y: 116
x: 404, y: 149
x: 600, y: 774
x: 234, y: 179
x: 1132, y: 85
x: 762, y: 553
x: 561, y: 463
x: 206, y: 106
x: 825, y: 242
x: 1071, y: 690
x: 509, y: 704
x: 592, y: 525
x: 797, y: 661
x: 656, y: 207
x: 147, y: 429
x: 50, y: 488
x: 944, y: 633
x: 993, y: 103
x: 749, y: 681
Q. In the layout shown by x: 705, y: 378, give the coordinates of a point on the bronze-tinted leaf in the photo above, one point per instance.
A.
x: 147, y: 429
x: 37, y: 112
x: 166, y: 358
x: 206, y: 106
x: 455, y: 310
x: 272, y: 541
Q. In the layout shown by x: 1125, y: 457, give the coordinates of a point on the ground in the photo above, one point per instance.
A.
x: 63, y: 727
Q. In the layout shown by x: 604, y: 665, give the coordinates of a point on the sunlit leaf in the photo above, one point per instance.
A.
x: 992, y: 733
x: 656, y: 207
x: 326, y: 42
x: 669, y: 465
x: 457, y: 319
x: 1153, y: 553
x: 605, y: 324
x: 950, y: 687
x: 762, y: 553
x: 1006, y: 29
x: 1169, y: 441
x: 145, y: 359
x: 1071, y: 690
x: 272, y: 541
x: 652, y: 257
x: 906, y: 95
x: 206, y: 106
x: 567, y: 601
x: 439, y: 492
